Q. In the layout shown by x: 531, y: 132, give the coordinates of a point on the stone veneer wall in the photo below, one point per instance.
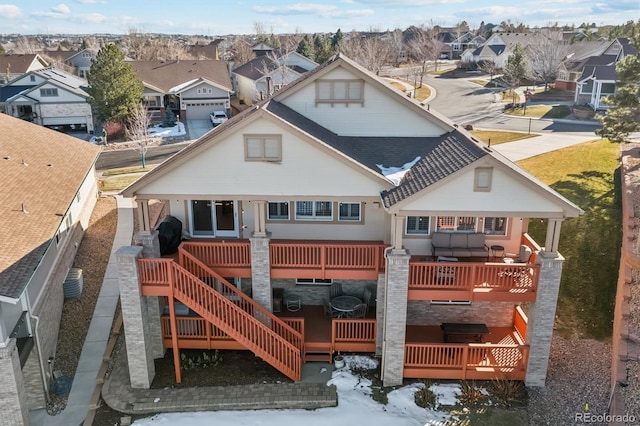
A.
x: 494, y: 314
x: 314, y: 294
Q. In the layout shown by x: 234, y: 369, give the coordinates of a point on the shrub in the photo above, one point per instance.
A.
x: 192, y: 363
x: 508, y: 391
x: 169, y: 119
x: 424, y: 397
x: 471, y: 394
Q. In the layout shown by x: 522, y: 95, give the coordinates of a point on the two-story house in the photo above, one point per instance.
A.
x: 13, y: 66
x: 48, y: 193
x: 339, y: 192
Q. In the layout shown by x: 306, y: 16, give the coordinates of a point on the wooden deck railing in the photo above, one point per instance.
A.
x: 231, y: 292
x: 229, y: 258
x: 326, y: 260
x: 473, y: 281
x: 353, y: 335
x: 528, y: 241
x: 228, y: 317
x: 465, y: 361
x: 520, y: 321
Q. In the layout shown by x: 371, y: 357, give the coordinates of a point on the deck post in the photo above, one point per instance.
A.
x: 541, y: 317
x: 261, y: 270
x: 151, y: 250
x: 135, y: 318
x: 395, y: 318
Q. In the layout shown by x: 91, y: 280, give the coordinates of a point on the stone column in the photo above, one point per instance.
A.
x: 13, y: 400
x: 395, y: 302
x: 135, y: 318
x: 151, y: 250
x: 541, y: 318
x: 261, y: 270
x: 380, y: 301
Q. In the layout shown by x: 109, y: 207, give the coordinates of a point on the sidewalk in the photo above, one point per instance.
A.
x: 526, y: 148
x: 91, y: 357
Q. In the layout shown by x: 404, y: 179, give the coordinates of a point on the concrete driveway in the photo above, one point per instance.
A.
x: 197, y: 128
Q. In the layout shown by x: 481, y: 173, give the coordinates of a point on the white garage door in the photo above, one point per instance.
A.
x: 60, y: 121
x: 201, y: 110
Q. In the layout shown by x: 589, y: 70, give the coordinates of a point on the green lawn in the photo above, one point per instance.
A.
x: 118, y: 183
x: 542, y: 111
x: 126, y: 170
x: 587, y: 174
x: 494, y: 137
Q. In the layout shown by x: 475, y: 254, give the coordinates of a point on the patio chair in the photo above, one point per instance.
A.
x: 367, y: 297
x: 360, y: 311
x: 328, y: 309
x: 335, y: 290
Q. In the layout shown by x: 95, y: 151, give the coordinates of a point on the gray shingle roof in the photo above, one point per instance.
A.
x: 439, y: 156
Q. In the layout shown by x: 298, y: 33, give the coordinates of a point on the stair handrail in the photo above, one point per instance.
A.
x: 232, y: 323
x: 285, y: 330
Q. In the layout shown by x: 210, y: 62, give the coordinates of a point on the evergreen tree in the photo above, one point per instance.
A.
x: 336, y: 40
x: 322, y: 47
x: 305, y: 48
x: 113, y: 86
x: 623, y: 117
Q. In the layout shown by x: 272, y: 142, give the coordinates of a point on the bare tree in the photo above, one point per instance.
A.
x: 27, y: 45
x: 489, y: 67
x: 396, y: 47
x: 143, y: 47
x: 137, y: 129
x: 240, y: 52
x: 371, y: 52
x: 545, y: 55
x: 426, y: 46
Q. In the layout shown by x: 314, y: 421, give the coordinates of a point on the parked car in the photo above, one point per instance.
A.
x: 218, y: 117
x: 97, y: 140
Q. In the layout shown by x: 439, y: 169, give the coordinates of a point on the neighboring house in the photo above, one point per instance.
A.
x: 192, y: 89
x: 579, y: 54
x: 48, y: 194
x: 13, y: 66
x: 81, y: 61
x: 497, y: 48
x: 598, y: 77
x: 340, y: 179
x: 49, y: 97
x: 206, y: 50
x: 265, y: 74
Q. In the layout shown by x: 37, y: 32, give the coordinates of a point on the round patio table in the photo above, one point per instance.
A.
x: 345, y: 305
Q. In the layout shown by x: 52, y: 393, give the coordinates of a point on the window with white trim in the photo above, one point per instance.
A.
x: 317, y: 281
x: 495, y: 225
x: 263, y: 148
x: 417, y: 225
x: 278, y: 210
x: 482, y: 180
x: 314, y: 210
x: 339, y: 91
x: 48, y: 92
x: 456, y: 223
x: 349, y: 212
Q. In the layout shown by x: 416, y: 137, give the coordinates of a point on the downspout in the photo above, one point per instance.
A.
x: 43, y: 374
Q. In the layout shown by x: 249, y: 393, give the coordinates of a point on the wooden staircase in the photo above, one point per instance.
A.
x: 230, y: 310
x: 318, y: 351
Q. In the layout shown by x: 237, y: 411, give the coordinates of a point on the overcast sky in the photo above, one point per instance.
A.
x: 220, y: 17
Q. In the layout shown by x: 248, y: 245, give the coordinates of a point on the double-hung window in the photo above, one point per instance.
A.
x: 349, y: 212
x: 417, y: 225
x: 48, y: 92
x: 495, y: 225
x: 278, y: 210
x: 314, y: 210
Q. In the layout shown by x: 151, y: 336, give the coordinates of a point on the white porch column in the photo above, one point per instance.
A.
x: 259, y: 218
x: 143, y: 216
x: 398, y: 231
x: 553, y: 236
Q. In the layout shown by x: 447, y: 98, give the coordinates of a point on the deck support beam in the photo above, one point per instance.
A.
x: 395, y: 307
x: 541, y: 317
